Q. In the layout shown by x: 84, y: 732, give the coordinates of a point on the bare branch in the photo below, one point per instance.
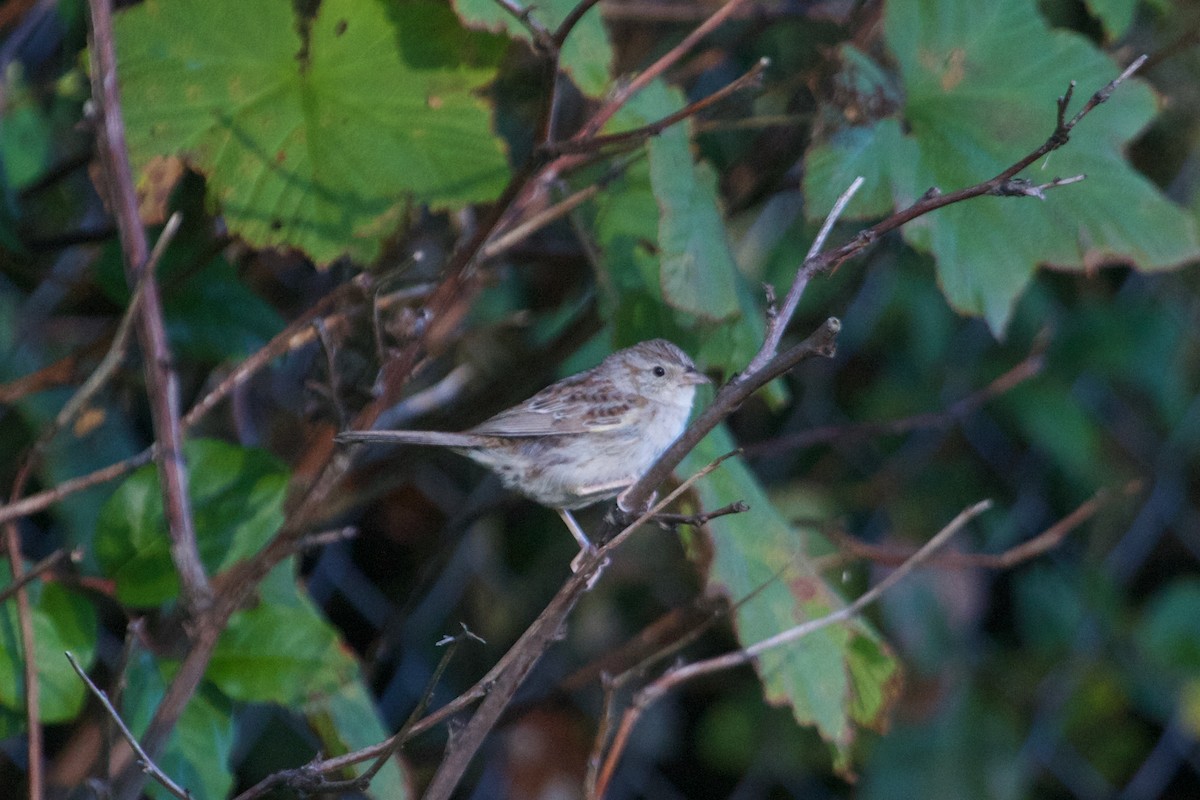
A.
x: 37, y: 570
x: 935, y: 199
x: 542, y: 38
x: 668, y: 60
x: 703, y: 518
x: 310, y: 778
x: 33, y: 716
x: 778, y: 320
x: 161, y: 380
x: 635, y: 136
x: 1044, y: 542
x: 1026, y: 368
x: 144, y: 760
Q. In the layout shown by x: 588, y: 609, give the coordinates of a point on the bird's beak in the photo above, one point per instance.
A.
x: 695, y: 377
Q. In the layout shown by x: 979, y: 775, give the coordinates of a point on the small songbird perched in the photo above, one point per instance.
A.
x: 583, y: 439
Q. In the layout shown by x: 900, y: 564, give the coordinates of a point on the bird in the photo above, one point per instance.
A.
x: 583, y: 439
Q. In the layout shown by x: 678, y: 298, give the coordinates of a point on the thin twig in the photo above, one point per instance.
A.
x: 665, y: 62
x: 48, y: 497
x: 542, y: 38
x: 934, y: 199
x: 309, y: 779
x: 701, y: 519
x: 603, y: 732
x: 509, y: 238
x: 635, y: 136
x: 452, y: 645
x: 778, y: 321
x: 322, y: 538
x: 33, y: 717
x: 673, y: 678
x: 144, y: 760
x: 1026, y: 368
x: 56, y: 373
x: 1044, y: 542
x: 120, y: 341
x: 37, y: 570
x: 571, y: 20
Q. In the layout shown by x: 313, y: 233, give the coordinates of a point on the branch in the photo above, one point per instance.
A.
x: 144, y: 760
x: 542, y: 38
x: 310, y: 778
x: 1027, y: 368
x: 571, y: 20
x: 698, y: 520
x: 673, y: 678
x: 37, y: 570
x: 161, y: 380
x: 665, y: 62
x: 508, y: 238
x: 934, y: 199
x: 635, y: 136
x: 33, y: 716
x: 1044, y: 542
x: 503, y: 680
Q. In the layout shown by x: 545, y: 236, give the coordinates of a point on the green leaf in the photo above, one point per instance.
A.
x: 237, y: 498
x: 62, y: 621
x: 283, y: 651
x: 696, y: 267
x: 980, y: 84
x: 586, y: 54
x: 882, y: 155
x: 834, y: 679
x: 312, y: 141
x: 347, y: 720
x: 196, y: 755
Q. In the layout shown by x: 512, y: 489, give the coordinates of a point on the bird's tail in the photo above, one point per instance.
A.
x: 431, y: 438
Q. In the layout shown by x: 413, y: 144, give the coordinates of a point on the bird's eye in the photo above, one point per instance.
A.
x: 659, y: 372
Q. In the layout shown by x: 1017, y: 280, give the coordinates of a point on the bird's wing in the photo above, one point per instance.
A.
x: 561, y: 409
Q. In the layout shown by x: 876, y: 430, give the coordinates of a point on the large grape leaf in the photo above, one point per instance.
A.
x: 979, y: 85
x: 313, y: 132
x: 837, y: 679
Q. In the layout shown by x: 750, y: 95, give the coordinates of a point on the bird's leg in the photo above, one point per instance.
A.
x: 576, y: 531
x: 586, y: 548
x: 585, y: 545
